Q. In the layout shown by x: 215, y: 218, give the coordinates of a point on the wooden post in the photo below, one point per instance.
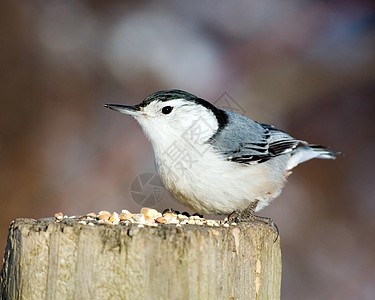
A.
x: 45, y: 259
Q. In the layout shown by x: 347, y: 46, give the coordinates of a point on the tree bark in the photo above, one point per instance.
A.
x: 45, y: 259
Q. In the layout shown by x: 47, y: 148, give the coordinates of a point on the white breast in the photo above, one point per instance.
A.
x: 198, y: 177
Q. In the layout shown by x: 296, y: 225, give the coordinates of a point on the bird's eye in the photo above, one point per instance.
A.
x: 166, y: 109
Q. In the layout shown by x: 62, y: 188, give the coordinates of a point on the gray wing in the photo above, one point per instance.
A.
x: 249, y: 142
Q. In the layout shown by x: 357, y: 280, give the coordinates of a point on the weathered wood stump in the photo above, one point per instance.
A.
x: 45, y: 259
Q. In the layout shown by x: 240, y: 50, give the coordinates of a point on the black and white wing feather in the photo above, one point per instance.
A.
x: 249, y: 142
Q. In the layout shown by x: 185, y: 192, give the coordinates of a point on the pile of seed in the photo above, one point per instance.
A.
x: 146, y: 217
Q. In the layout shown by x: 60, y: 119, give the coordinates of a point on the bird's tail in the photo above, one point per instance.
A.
x: 306, y: 152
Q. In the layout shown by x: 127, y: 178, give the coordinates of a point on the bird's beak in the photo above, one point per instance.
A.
x: 125, y: 109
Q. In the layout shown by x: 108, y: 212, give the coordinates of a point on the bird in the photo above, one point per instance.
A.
x: 216, y: 161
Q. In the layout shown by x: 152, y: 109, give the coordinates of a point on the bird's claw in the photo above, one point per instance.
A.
x: 248, y: 216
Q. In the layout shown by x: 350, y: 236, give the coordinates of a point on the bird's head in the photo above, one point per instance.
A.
x: 170, y: 115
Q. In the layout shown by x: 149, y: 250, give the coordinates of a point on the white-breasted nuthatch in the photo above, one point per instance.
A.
x: 216, y: 161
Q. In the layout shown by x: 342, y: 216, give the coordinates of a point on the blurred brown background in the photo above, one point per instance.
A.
x: 307, y: 67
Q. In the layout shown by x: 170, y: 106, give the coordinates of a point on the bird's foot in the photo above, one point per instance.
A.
x: 248, y: 215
